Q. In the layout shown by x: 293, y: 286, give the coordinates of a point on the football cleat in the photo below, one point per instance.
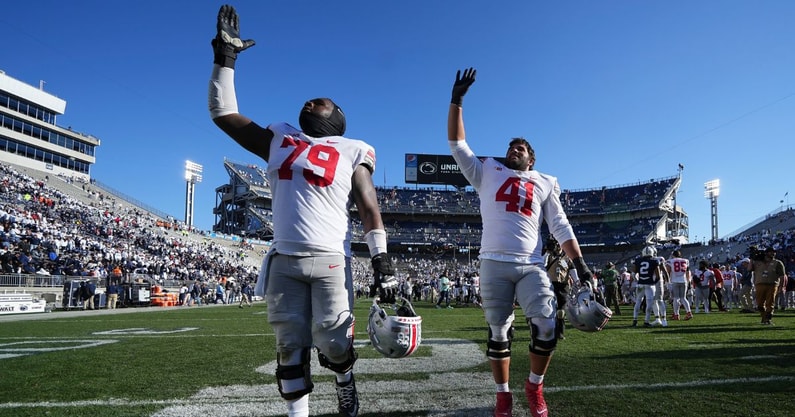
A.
x: 504, y: 406
x: 348, y: 398
x: 535, y: 399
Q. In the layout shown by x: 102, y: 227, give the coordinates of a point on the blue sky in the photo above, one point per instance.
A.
x: 608, y: 92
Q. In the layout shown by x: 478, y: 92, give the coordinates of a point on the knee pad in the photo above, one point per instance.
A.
x: 340, y: 368
x: 542, y: 336
x: 499, y: 350
x: 296, y: 375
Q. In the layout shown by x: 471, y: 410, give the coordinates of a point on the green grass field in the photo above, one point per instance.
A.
x: 219, y: 361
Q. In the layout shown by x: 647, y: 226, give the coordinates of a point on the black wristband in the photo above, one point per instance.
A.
x: 225, y: 60
x: 457, y: 100
x: 579, y: 264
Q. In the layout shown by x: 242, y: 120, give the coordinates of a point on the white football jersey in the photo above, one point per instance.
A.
x: 729, y: 278
x: 311, y: 182
x: 513, y: 205
x: 679, y: 268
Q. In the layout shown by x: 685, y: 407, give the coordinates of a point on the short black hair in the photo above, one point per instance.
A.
x: 523, y: 141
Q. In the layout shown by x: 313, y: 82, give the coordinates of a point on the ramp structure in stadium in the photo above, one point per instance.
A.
x: 243, y: 207
x: 631, y: 214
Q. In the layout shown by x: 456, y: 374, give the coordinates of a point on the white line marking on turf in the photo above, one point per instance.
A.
x: 441, y: 395
x: 446, y: 355
x: 48, y: 345
x: 144, y: 331
x: 686, y: 384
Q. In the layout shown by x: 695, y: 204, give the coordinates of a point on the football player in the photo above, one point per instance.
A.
x: 703, y: 279
x: 315, y: 174
x: 627, y: 289
x: 679, y: 270
x: 729, y: 286
x: 515, y: 200
x: 647, y: 269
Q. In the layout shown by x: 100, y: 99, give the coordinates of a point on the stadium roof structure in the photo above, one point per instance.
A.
x: 30, y: 136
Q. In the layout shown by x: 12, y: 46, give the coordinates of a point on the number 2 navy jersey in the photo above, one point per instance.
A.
x: 311, y: 182
x: 513, y: 205
x: 645, y: 266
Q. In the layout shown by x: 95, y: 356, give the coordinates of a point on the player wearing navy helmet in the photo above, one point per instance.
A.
x: 648, y: 272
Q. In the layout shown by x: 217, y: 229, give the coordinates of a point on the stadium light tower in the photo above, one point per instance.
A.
x: 711, y: 191
x: 193, y: 175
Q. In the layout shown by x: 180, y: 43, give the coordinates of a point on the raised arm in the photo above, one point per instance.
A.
x: 455, y: 117
x: 222, y: 100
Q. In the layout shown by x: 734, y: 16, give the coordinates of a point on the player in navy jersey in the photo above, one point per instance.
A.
x: 647, y: 269
x: 515, y: 200
x: 315, y: 175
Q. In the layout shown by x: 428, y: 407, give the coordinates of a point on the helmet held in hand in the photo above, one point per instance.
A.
x: 395, y: 336
x: 586, y: 313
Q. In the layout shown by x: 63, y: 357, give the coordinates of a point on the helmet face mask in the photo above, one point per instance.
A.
x: 395, y: 336
x: 585, y: 313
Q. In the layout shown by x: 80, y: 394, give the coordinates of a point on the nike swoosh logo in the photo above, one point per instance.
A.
x: 541, y: 411
x: 332, y: 266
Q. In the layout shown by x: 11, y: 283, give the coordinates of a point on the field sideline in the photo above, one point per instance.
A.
x: 219, y: 361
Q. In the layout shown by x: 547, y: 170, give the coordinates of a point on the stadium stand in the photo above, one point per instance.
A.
x: 56, y: 230
x: 74, y: 229
x: 438, y: 219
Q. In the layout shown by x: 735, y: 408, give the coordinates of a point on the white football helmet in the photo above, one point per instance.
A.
x: 585, y: 313
x: 395, y: 336
x: 649, y: 251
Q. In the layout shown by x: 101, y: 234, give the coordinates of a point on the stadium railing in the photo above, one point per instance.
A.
x: 35, y: 280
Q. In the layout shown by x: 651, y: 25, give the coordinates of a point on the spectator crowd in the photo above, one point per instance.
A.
x: 45, y: 231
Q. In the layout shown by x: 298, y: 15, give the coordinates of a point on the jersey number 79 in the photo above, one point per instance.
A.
x: 319, y: 157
